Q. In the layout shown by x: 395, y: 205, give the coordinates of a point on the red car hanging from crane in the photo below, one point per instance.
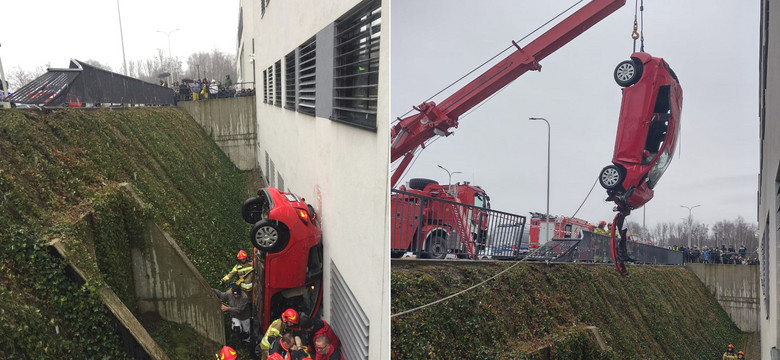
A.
x: 647, y: 133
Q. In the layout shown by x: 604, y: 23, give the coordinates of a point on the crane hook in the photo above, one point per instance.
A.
x: 635, y: 34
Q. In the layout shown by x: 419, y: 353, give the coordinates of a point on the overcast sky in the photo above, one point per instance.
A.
x: 713, y: 50
x: 37, y: 32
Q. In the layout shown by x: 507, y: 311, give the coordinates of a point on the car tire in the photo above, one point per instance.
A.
x: 611, y: 177
x: 435, y: 247
x: 628, y: 72
x: 420, y: 183
x: 269, y: 236
x: 252, y: 210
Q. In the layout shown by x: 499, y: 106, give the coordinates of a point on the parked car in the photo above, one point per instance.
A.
x: 287, y: 238
x: 647, y: 129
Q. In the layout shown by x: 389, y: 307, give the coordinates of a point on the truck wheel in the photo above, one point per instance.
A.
x: 252, y: 210
x: 611, y: 177
x: 268, y: 236
x: 628, y: 72
x: 420, y: 183
x: 435, y: 247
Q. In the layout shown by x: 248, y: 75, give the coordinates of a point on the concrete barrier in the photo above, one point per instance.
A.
x: 231, y: 124
x: 737, y: 289
x: 167, y: 283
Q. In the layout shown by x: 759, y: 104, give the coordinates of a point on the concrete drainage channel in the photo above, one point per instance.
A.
x: 166, y: 283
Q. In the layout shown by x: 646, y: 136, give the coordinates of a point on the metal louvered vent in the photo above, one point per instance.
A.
x: 356, y: 65
x: 347, y: 318
x: 307, y: 76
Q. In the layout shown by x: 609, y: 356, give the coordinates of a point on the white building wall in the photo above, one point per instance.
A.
x: 244, y: 65
x: 340, y: 169
x: 770, y: 177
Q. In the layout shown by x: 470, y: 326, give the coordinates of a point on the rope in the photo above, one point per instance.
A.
x: 455, y: 294
x: 586, y: 197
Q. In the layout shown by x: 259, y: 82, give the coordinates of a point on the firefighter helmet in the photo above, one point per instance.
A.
x: 290, y: 315
x: 241, y: 255
x: 275, y: 356
x: 227, y: 353
x: 602, y: 223
x: 731, y: 347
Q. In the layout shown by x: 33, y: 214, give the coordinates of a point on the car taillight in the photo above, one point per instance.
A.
x: 303, y: 215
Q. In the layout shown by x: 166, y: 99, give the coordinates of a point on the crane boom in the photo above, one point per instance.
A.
x: 432, y: 119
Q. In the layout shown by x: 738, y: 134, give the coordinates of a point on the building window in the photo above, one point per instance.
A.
x: 348, y: 319
x: 289, y: 81
x: 265, y: 86
x: 307, y: 76
x: 356, y: 66
x: 270, y: 82
x: 278, y: 83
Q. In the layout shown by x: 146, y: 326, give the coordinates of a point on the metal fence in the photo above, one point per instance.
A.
x: 84, y: 85
x: 596, y: 248
x: 431, y: 227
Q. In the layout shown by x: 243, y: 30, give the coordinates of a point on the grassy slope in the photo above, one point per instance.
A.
x: 658, y: 313
x: 56, y: 166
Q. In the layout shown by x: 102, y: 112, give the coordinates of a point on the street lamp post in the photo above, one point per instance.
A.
x: 547, y: 215
x: 690, y: 221
x: 449, y: 174
x: 122, y: 37
x: 170, y: 57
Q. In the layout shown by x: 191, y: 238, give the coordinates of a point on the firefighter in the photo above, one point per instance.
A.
x: 729, y: 354
x: 227, y: 353
x: 288, y: 349
x: 244, y: 270
x: 740, y: 355
x: 278, y: 328
x: 600, y: 229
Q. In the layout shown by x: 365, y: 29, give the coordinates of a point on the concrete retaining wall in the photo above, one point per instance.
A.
x: 737, y: 289
x: 168, y: 284
x: 231, y: 124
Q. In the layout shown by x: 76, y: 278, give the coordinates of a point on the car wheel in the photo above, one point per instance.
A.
x: 435, y: 247
x: 611, y: 177
x: 252, y: 210
x: 269, y: 236
x: 420, y: 183
x: 628, y: 72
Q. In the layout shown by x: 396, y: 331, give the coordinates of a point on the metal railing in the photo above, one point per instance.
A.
x: 431, y: 227
x: 596, y: 248
x: 185, y: 90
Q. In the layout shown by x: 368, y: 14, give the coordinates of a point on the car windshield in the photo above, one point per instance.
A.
x: 479, y: 201
x: 658, y: 169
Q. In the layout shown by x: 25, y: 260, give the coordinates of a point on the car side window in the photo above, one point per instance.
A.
x: 659, y: 124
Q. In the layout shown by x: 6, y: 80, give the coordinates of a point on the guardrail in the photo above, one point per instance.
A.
x: 596, y: 248
x: 431, y: 227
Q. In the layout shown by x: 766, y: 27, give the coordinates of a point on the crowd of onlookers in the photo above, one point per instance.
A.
x: 715, y: 255
x: 204, y: 89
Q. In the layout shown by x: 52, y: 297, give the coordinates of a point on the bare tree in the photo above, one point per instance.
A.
x: 214, y: 65
x: 19, y: 77
x: 98, y: 64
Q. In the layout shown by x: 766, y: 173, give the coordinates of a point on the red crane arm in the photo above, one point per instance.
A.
x: 432, y: 119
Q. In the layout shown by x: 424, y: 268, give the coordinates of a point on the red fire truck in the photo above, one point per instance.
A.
x: 543, y: 228
x: 439, y: 219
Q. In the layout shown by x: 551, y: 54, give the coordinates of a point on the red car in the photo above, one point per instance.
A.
x: 287, y: 257
x: 647, y: 130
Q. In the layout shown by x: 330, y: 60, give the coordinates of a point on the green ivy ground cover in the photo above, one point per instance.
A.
x: 57, y: 166
x: 658, y: 313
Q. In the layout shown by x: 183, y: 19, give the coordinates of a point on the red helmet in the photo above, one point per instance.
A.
x: 740, y: 353
x: 274, y: 356
x: 602, y: 223
x: 227, y: 353
x: 290, y: 315
x: 241, y: 255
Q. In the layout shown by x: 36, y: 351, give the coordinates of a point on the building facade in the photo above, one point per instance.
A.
x: 321, y: 74
x: 769, y: 178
